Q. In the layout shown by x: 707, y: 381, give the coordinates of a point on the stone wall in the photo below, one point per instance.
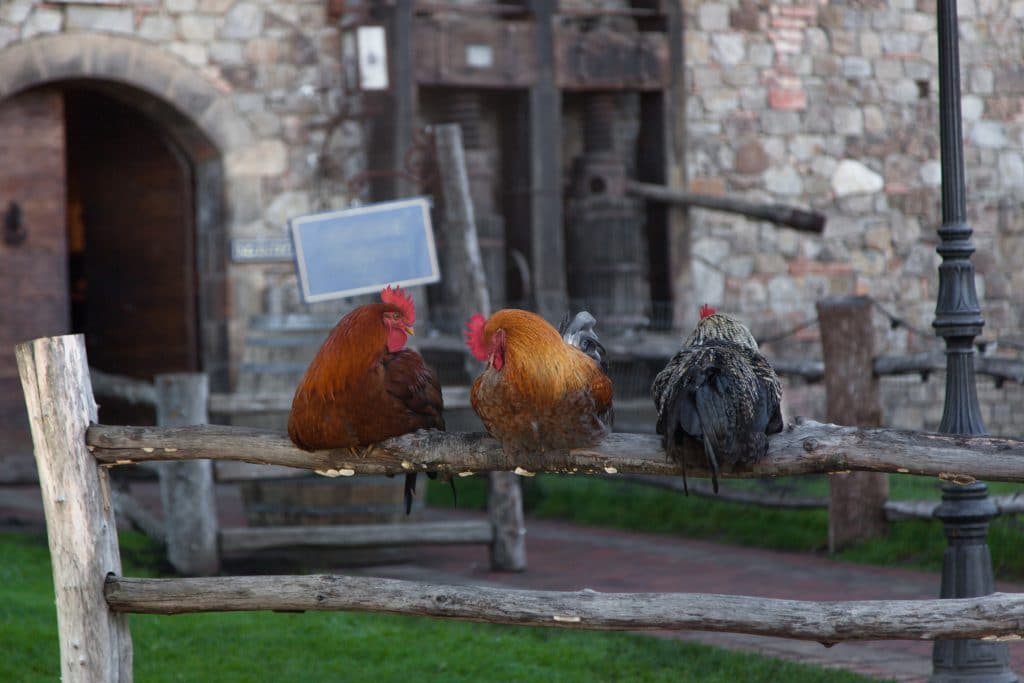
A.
x: 262, y: 81
x: 834, y: 105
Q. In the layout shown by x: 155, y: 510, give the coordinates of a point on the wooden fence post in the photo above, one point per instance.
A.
x: 465, y: 267
x: 186, y: 488
x: 857, y: 499
x: 95, y: 643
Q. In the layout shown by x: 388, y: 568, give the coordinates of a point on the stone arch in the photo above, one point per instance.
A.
x: 131, y: 62
x: 192, y: 108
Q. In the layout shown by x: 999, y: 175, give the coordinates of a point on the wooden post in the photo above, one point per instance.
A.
x: 186, y: 488
x: 857, y: 500
x: 547, y: 240
x: 95, y: 643
x: 465, y: 269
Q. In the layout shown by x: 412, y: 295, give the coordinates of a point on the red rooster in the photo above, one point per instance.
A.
x: 537, y: 393
x: 363, y: 386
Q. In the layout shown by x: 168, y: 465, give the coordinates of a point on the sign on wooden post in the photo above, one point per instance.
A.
x: 857, y: 499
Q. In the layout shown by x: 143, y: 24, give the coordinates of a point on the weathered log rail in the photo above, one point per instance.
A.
x: 994, y: 616
x: 73, y: 457
x: 805, y: 447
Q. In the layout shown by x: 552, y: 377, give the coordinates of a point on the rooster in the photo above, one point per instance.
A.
x: 363, y: 386
x: 720, y: 391
x: 537, y: 393
x: 579, y: 332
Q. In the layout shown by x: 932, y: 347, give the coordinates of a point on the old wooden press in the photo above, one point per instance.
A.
x: 519, y: 77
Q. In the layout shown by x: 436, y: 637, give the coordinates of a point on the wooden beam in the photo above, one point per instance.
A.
x: 805, y: 447
x: 547, y: 241
x: 998, y: 615
x: 95, y: 643
x: 242, y: 540
x: 467, y: 284
x: 780, y: 214
x: 855, y: 511
x: 126, y: 508
x: 186, y: 488
x: 127, y: 389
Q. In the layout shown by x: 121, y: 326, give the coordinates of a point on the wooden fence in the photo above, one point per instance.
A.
x: 73, y: 455
x: 194, y: 541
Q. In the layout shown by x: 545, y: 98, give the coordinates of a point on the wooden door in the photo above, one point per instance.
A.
x: 131, y: 226
x: 33, y: 254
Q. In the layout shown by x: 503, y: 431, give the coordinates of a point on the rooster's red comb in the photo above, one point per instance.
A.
x: 401, y: 299
x: 705, y: 311
x: 475, y: 337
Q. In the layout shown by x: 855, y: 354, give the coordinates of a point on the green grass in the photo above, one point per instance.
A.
x: 625, y: 505
x: 332, y: 646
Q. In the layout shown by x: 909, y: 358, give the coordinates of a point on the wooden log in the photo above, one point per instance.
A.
x: 780, y: 214
x: 848, y: 347
x: 241, y: 540
x: 128, y: 509
x: 804, y: 447
x: 998, y: 615
x: 186, y: 488
x: 468, y: 290
x: 127, y: 389
x: 95, y: 643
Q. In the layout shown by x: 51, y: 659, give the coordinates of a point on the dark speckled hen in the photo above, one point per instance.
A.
x: 721, y: 392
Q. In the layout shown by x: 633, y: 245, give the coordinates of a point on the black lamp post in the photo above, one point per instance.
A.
x: 966, y: 509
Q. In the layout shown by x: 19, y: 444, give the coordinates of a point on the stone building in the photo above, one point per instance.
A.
x: 141, y: 139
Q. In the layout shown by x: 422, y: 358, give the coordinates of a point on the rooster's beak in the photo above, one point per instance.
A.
x: 411, y: 331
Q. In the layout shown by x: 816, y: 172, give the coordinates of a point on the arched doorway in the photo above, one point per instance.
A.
x: 117, y: 232
x: 131, y: 238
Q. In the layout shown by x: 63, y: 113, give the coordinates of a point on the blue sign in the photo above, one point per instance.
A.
x: 361, y: 250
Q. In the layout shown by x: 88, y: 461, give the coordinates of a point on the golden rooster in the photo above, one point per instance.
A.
x: 537, y: 393
x: 363, y: 386
x: 720, y: 391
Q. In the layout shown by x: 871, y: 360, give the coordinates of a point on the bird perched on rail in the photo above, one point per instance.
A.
x: 364, y: 386
x: 537, y: 393
x: 719, y: 391
x: 579, y: 332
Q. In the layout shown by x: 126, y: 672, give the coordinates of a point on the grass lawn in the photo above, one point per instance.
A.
x: 626, y: 505
x: 333, y: 646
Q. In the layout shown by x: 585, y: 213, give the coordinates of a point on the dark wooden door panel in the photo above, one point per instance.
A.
x: 133, y: 190
x: 33, y: 273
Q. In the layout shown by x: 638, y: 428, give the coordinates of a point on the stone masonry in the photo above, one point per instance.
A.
x: 834, y: 105
x: 262, y: 80
x: 826, y: 104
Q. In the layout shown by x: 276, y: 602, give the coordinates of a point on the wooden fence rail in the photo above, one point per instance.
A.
x: 95, y: 643
x: 999, y: 615
x: 804, y: 447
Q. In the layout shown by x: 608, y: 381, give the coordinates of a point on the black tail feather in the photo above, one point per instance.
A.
x: 709, y: 450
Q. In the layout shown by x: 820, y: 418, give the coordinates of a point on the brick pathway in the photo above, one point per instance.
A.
x: 571, y: 557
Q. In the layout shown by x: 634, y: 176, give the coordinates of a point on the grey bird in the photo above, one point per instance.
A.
x: 721, y: 392
x: 579, y: 332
